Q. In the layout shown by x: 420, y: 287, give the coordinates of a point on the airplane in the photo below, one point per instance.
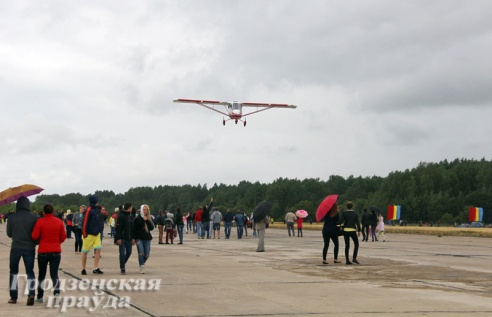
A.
x: 235, y: 109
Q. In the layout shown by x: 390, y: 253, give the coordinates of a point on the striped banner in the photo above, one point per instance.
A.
x: 394, y: 212
x: 476, y: 214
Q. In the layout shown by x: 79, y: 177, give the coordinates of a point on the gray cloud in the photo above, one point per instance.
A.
x: 379, y: 85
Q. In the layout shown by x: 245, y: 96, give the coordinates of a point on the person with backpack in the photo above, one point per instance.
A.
x: 91, y: 235
x: 169, y: 227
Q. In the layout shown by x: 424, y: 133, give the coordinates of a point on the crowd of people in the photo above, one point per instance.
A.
x: 130, y: 227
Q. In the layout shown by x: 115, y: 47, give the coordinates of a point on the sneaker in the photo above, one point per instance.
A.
x: 84, y: 272
x: 123, y: 272
x: 97, y: 271
x: 12, y: 301
x: 39, y: 300
x: 30, y: 301
x: 355, y: 261
x: 142, y: 269
x: 348, y: 263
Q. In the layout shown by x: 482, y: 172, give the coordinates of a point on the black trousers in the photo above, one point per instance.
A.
x: 53, y: 259
x: 347, y: 235
x: 326, y: 238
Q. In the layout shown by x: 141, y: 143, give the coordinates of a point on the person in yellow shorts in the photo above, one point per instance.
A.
x: 91, y: 236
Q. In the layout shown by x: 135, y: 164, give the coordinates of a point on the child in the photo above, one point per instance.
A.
x: 299, y: 226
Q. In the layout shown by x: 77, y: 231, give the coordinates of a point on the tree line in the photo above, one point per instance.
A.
x: 431, y: 192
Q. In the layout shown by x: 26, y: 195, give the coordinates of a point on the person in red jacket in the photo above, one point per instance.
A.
x: 299, y: 221
x: 50, y: 233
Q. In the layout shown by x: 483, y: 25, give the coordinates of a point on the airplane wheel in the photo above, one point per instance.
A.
x: 223, y: 122
x: 244, y: 123
x: 236, y: 121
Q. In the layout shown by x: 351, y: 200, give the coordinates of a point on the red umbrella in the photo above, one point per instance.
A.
x: 325, y: 206
x: 14, y: 193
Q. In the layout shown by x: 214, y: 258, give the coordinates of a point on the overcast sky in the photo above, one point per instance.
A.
x: 87, y: 89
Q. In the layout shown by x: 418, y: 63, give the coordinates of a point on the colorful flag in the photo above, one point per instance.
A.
x: 476, y: 214
x: 394, y: 212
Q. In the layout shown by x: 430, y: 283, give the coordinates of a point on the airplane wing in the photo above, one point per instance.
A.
x: 268, y: 105
x: 265, y: 106
x: 208, y: 102
x: 205, y: 103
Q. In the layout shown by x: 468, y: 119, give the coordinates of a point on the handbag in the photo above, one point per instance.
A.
x: 175, y: 233
x: 340, y: 230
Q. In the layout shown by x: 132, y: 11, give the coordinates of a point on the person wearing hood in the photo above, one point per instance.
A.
x: 169, y: 227
x: 143, y: 226
x: 19, y: 227
x: 91, y: 235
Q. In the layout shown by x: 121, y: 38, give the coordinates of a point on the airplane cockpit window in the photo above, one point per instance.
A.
x: 236, y: 106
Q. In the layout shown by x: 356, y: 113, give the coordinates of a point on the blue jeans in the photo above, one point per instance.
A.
x: 239, y: 231
x: 206, y: 227
x: 199, y: 229
x: 53, y: 259
x: 125, y: 252
x: 143, y: 247
x: 180, y: 233
x: 227, y: 229
x: 28, y: 258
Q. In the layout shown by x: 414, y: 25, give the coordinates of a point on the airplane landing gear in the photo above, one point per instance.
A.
x: 244, y: 122
x: 223, y: 121
x: 236, y: 121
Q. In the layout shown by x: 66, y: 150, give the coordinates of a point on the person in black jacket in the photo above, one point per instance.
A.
x: 330, y: 232
x: 142, y: 228
x: 125, y: 235
x: 228, y: 218
x: 366, y: 221
x: 374, y: 224
x: 351, y: 229
x: 19, y: 227
x: 206, y: 219
x: 179, y: 224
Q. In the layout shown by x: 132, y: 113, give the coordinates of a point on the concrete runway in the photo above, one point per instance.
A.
x: 408, y: 275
